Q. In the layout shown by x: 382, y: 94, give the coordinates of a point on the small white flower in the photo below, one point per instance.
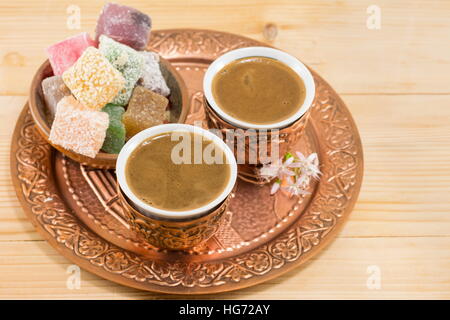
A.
x: 303, y: 180
x: 270, y: 170
x: 293, y: 174
x: 309, y: 166
x: 295, y: 188
x: 277, y: 169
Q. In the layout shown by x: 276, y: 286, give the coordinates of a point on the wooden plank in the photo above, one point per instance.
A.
x: 395, y: 82
x: 409, y: 54
x: 409, y: 268
x: 406, y: 141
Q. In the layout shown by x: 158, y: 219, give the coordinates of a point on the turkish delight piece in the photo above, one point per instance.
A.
x: 54, y: 89
x: 115, y: 135
x: 93, y: 80
x: 78, y: 129
x: 64, y: 54
x: 125, y: 25
x: 146, y: 109
x: 152, y: 77
x: 125, y: 59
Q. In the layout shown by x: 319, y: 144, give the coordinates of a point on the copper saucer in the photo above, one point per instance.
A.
x: 76, y: 208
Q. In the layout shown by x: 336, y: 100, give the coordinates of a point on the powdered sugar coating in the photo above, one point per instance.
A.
x: 152, y: 77
x: 54, y: 90
x: 64, y: 54
x: 125, y: 25
x: 125, y: 59
x: 93, y: 80
x: 78, y: 129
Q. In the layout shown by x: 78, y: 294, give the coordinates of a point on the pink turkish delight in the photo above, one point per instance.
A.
x: 125, y: 25
x: 64, y: 54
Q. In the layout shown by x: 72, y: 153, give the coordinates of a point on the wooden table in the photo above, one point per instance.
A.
x: 396, y: 82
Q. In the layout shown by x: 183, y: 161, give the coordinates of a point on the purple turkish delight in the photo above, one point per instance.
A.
x: 125, y: 25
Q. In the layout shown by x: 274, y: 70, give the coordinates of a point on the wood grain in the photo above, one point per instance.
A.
x: 409, y: 54
x: 34, y: 269
x: 394, y: 80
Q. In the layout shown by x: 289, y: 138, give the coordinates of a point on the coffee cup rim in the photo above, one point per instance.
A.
x: 145, y: 208
x: 297, y: 66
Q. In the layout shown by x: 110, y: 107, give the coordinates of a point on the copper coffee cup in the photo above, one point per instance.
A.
x: 276, y: 137
x: 170, y: 229
x: 174, y: 234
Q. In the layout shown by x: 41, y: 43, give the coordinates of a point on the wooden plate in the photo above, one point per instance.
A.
x: 76, y: 208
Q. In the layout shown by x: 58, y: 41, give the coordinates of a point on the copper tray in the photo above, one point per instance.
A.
x: 76, y: 209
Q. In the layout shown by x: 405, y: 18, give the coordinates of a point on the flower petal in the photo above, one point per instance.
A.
x: 275, y: 188
x: 287, y: 172
x: 296, y: 165
x: 289, y: 161
x: 300, y: 156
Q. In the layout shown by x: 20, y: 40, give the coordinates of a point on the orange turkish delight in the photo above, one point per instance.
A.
x: 93, y: 80
x: 146, y: 109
